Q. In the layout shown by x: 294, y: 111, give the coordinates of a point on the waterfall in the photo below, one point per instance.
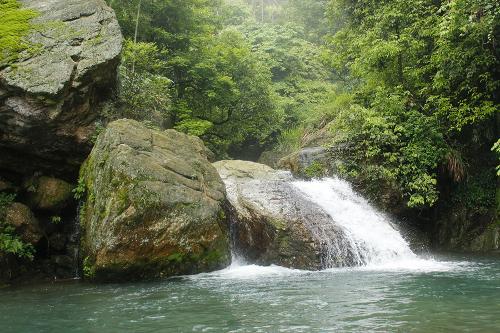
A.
x: 369, y: 233
x: 73, y: 247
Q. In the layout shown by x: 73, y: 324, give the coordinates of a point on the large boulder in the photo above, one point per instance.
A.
x: 273, y: 223
x: 154, y: 206
x: 48, y: 98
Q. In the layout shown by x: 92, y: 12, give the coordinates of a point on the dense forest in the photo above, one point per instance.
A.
x: 409, y: 94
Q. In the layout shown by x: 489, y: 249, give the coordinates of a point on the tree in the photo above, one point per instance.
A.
x: 184, y: 71
x: 439, y: 62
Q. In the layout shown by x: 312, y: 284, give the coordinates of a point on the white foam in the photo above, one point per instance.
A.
x: 239, y: 271
x: 369, y: 231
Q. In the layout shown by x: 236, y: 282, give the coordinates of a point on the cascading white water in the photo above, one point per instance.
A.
x: 368, y: 231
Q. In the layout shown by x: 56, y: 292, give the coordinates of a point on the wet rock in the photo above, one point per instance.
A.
x: 272, y: 223
x: 309, y: 162
x: 48, y: 99
x: 62, y: 261
x: 489, y: 240
x: 459, y: 229
x: 154, y: 206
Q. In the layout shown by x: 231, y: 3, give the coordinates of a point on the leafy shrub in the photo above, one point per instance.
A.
x: 10, y: 243
x: 406, y: 146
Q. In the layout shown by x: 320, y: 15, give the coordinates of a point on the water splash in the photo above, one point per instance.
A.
x: 370, y: 235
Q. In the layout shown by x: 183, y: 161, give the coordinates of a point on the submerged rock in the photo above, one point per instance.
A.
x: 154, y: 206
x: 48, y: 98
x: 272, y: 223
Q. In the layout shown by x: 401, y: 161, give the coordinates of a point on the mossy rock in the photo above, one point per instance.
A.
x: 26, y: 225
x: 307, y: 162
x: 48, y: 193
x: 154, y: 206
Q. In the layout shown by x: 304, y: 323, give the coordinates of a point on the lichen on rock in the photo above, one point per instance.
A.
x: 154, y: 205
x: 48, y: 98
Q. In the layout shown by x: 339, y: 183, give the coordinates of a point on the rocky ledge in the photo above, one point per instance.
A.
x: 48, y: 99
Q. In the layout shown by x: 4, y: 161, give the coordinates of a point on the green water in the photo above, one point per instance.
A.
x: 450, y: 295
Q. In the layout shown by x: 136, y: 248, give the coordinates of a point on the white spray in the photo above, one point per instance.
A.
x: 368, y: 231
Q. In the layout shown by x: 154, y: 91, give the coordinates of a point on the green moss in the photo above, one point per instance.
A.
x: 177, y: 257
x: 315, y: 170
x: 278, y: 224
x: 214, y: 257
x: 177, y: 263
x: 14, y: 26
x: 221, y: 215
x: 122, y: 198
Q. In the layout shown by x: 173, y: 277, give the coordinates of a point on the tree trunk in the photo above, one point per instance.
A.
x: 135, y: 33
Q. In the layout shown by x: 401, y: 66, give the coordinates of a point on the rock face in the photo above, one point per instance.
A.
x: 459, y: 230
x: 154, y: 207
x: 309, y: 162
x: 272, y: 223
x: 48, y: 98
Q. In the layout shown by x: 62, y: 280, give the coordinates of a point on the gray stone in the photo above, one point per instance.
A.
x: 306, y: 162
x: 154, y: 207
x: 48, y: 98
x: 272, y: 223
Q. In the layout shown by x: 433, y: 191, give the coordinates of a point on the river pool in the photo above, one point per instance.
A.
x: 448, y: 294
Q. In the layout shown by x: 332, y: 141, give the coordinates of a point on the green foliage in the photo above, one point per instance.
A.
x: 80, y: 190
x: 408, y: 93
x: 88, y: 268
x: 315, y: 170
x: 406, y: 147
x: 290, y: 140
x: 423, y: 80
x: 144, y: 93
x: 14, y: 26
x: 55, y: 219
x: 496, y: 149
x: 300, y: 80
x: 477, y: 192
x: 311, y: 15
x: 189, y: 73
x: 10, y: 243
